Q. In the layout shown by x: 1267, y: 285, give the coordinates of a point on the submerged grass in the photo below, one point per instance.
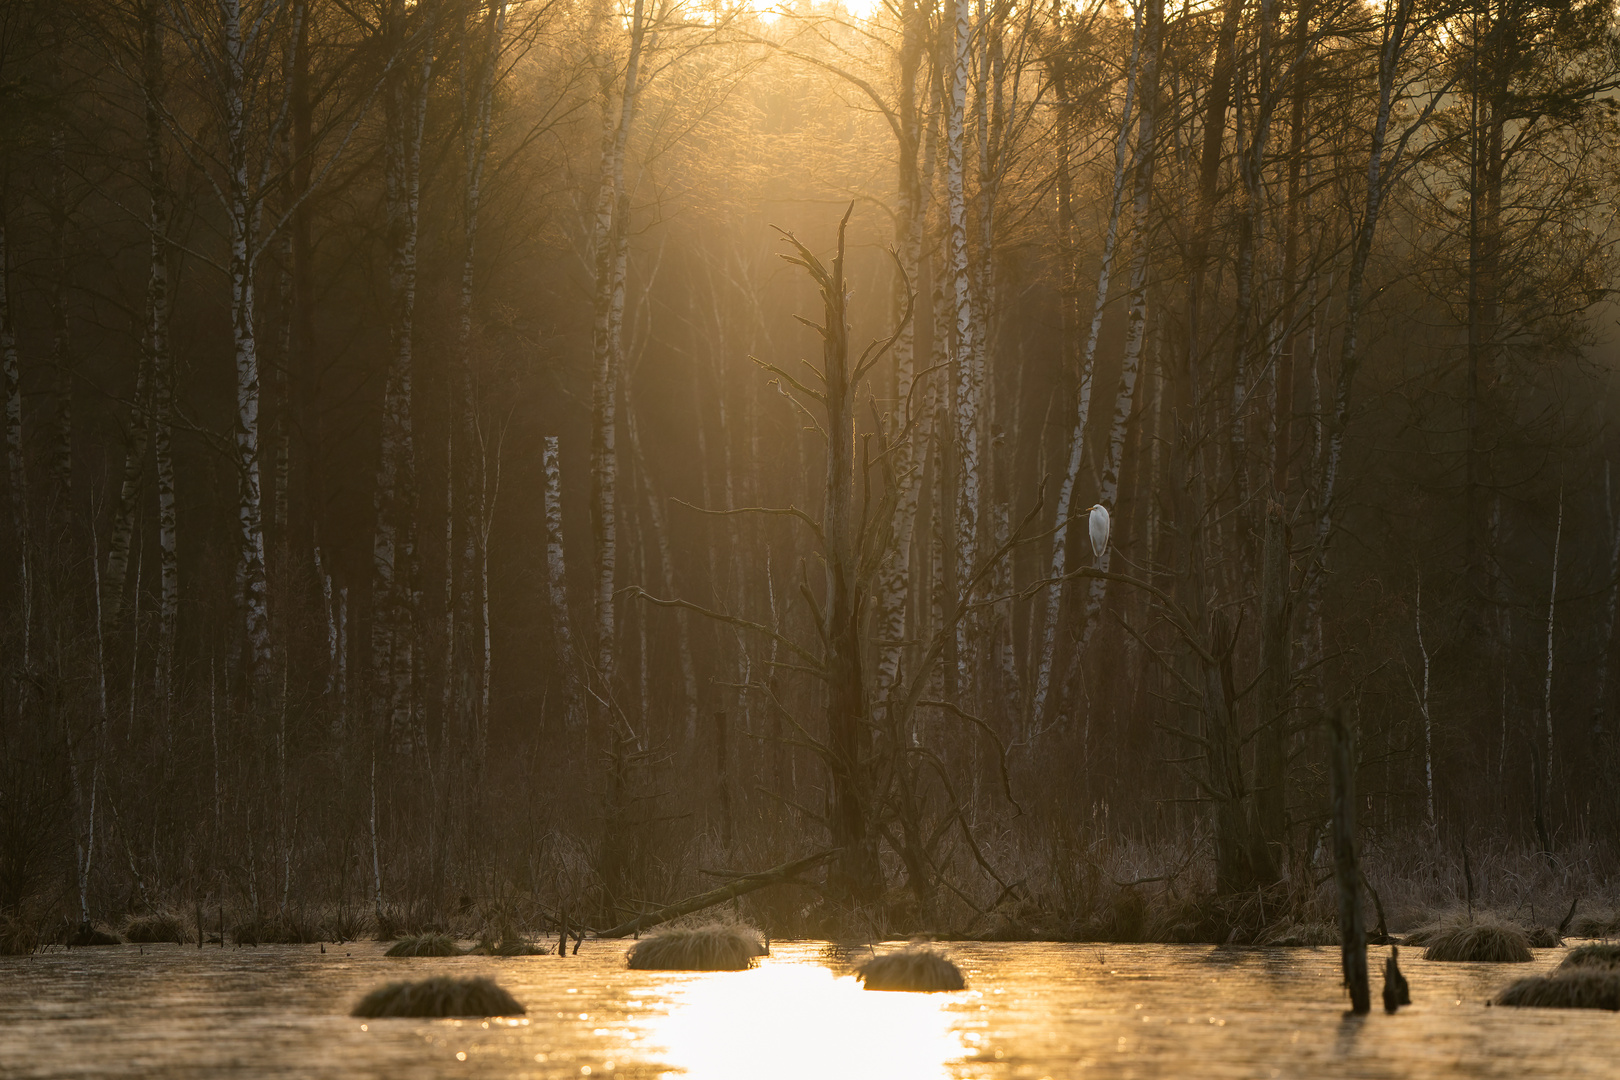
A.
x: 713, y: 946
x: 1485, y: 938
x: 426, y: 945
x: 1577, y: 988
x: 915, y: 968
x: 441, y: 996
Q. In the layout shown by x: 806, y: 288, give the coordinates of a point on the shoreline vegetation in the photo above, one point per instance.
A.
x: 1519, y: 903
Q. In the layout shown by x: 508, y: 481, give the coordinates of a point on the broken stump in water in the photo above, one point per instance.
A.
x: 1396, y: 992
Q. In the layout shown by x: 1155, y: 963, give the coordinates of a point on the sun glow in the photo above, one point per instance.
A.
x: 794, y: 1020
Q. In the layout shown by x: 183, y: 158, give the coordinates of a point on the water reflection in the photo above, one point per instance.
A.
x: 789, y: 1020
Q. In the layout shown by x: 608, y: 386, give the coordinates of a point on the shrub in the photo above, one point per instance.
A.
x: 1578, y: 988
x: 714, y: 946
x: 426, y: 945
x: 439, y: 997
x: 915, y: 968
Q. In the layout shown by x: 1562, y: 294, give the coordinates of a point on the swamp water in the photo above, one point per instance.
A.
x: 1030, y: 1010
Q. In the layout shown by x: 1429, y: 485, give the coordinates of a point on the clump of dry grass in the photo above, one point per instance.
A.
x: 1597, y: 957
x: 1292, y: 933
x: 1596, y: 924
x: 714, y: 946
x: 426, y: 945
x: 439, y: 997
x: 1577, y: 988
x: 155, y: 929
x: 87, y: 936
x: 1543, y: 937
x: 1484, y: 938
x: 913, y: 968
x: 18, y: 936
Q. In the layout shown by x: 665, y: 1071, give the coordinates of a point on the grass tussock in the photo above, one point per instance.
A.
x: 915, y: 968
x: 439, y: 997
x: 713, y: 946
x: 87, y: 936
x: 1596, y: 924
x: 1299, y: 934
x: 1577, y: 988
x: 18, y: 937
x: 1485, y: 939
x: 284, y: 929
x: 426, y: 945
x: 1543, y: 937
x: 1605, y: 956
x: 160, y: 928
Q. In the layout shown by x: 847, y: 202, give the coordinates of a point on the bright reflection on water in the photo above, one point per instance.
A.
x: 807, y: 1023
x: 1031, y: 1011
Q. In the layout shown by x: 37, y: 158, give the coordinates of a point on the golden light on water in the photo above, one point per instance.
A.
x: 790, y: 1021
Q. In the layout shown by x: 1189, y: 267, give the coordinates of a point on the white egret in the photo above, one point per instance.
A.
x: 1099, y: 528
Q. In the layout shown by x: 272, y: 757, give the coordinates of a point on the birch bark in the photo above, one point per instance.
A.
x: 1136, y: 318
x: 965, y: 379
x: 1077, y: 439
x: 610, y: 240
x: 393, y: 627
x: 557, y: 583
x: 241, y: 216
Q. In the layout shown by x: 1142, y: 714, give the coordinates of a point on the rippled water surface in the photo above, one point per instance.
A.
x: 1030, y: 1010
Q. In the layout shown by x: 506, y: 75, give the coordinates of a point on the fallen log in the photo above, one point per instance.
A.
x: 740, y: 886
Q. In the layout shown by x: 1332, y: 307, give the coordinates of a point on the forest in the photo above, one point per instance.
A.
x: 534, y: 461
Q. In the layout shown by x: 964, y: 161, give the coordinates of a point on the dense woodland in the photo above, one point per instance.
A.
x: 470, y: 456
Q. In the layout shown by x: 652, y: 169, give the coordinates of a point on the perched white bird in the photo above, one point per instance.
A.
x: 1099, y: 529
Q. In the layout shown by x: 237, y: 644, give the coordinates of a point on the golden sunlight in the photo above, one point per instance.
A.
x: 791, y: 1020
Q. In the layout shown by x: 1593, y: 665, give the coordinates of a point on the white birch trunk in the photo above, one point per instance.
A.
x: 557, y: 582
x: 610, y: 239
x: 1077, y: 439
x: 964, y: 353
x: 240, y: 217
x: 1350, y: 356
x: 1547, y: 691
x: 1136, y: 318
x: 916, y: 184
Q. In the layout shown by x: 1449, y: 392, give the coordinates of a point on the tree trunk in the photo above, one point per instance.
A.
x: 1136, y: 317
x: 1077, y: 439
x: 557, y: 581
x: 610, y: 236
x: 1276, y: 673
x: 241, y: 215
x: 965, y: 378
